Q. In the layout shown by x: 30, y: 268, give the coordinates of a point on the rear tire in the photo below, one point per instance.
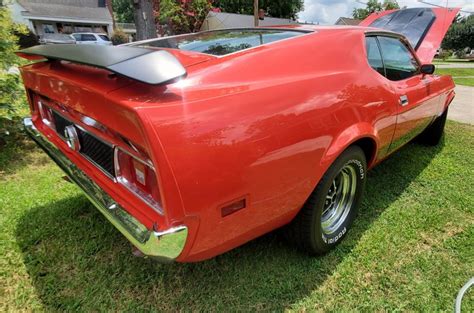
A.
x: 432, y: 135
x: 332, y: 207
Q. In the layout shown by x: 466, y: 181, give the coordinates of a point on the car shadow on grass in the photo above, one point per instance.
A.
x: 78, y: 261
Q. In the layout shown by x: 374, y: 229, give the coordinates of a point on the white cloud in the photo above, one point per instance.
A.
x: 328, y: 11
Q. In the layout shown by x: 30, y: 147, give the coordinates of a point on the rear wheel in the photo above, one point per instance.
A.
x: 330, y: 210
x: 432, y: 134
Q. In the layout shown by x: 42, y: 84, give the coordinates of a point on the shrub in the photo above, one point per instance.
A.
x: 12, y: 95
x: 119, y: 37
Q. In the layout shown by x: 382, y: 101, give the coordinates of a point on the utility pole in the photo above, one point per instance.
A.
x: 255, y: 12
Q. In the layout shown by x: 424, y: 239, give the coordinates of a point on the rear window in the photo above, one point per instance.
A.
x: 222, y: 42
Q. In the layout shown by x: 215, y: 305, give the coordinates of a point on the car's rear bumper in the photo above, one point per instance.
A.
x: 164, y: 245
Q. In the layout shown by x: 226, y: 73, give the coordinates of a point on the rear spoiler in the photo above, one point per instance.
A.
x: 145, y: 65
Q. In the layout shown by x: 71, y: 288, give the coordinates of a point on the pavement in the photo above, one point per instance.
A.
x: 462, y: 107
x: 456, y: 65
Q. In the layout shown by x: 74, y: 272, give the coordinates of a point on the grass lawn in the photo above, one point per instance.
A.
x: 459, y: 75
x: 411, y: 247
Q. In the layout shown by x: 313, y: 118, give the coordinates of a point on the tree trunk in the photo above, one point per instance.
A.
x: 144, y: 19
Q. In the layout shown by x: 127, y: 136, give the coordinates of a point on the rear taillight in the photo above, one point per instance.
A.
x: 46, y: 114
x: 139, y: 177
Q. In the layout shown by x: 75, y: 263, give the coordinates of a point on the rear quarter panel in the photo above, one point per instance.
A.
x: 262, y: 125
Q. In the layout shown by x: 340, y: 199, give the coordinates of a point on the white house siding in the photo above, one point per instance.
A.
x: 215, y: 20
x: 67, y: 13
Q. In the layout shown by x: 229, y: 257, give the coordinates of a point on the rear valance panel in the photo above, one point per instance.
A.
x: 145, y: 65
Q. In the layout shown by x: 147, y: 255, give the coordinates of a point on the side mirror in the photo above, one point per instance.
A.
x: 427, y: 69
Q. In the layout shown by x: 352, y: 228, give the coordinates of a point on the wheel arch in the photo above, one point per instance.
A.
x: 362, y: 135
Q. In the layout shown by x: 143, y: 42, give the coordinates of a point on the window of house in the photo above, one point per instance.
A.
x: 398, y: 60
x: 48, y: 29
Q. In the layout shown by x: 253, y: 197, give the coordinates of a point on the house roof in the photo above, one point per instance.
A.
x: 68, y: 9
x: 348, y: 21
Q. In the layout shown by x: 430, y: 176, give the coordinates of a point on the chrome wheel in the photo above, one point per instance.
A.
x: 339, y: 200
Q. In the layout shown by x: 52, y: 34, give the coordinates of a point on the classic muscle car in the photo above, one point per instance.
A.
x: 195, y: 144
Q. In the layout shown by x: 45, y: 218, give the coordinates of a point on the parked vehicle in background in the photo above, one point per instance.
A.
x: 55, y: 39
x: 195, y: 144
x: 92, y: 39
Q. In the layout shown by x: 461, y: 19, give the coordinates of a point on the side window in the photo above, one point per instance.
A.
x: 77, y: 37
x: 88, y: 37
x: 399, y: 61
x: 373, y: 55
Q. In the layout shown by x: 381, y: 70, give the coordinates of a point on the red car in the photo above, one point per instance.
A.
x: 193, y: 145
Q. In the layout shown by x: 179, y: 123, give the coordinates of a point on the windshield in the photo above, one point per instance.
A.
x: 222, y: 42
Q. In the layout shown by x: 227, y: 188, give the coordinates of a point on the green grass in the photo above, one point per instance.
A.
x: 458, y: 74
x: 411, y: 247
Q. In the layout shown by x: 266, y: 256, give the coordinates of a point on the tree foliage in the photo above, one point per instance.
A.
x: 460, y: 35
x: 183, y: 16
x: 123, y: 10
x: 12, y: 94
x: 374, y: 6
x: 275, y: 8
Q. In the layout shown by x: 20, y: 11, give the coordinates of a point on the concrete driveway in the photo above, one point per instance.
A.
x: 462, y: 108
x: 456, y: 65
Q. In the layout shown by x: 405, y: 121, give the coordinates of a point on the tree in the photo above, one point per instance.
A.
x: 183, y: 16
x: 144, y: 17
x: 275, y: 8
x: 374, y: 6
x: 460, y: 35
x: 123, y: 11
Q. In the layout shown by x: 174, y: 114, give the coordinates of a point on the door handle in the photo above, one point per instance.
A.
x: 403, y: 100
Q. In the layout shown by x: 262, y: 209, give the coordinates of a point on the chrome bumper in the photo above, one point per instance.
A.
x: 164, y: 245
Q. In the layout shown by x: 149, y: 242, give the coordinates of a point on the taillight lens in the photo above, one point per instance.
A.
x: 139, y: 177
x: 46, y: 114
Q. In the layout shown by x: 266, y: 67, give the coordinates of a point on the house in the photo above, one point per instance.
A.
x: 220, y: 20
x: 348, y: 21
x: 63, y: 16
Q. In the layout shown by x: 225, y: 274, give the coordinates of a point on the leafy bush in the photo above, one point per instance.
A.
x: 12, y: 95
x: 119, y: 37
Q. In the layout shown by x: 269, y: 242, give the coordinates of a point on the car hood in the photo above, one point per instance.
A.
x: 424, y: 28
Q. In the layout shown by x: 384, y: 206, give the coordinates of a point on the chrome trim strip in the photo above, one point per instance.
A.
x: 164, y: 245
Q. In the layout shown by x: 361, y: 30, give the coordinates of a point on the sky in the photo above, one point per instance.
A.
x: 328, y: 11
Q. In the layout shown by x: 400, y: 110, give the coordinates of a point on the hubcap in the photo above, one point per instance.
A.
x: 339, y: 200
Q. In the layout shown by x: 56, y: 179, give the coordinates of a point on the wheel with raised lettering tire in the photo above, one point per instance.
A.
x: 332, y: 207
x: 432, y: 134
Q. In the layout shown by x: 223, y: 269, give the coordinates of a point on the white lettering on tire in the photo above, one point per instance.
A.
x: 334, y: 239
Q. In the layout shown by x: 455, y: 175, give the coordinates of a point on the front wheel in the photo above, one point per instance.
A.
x: 332, y: 207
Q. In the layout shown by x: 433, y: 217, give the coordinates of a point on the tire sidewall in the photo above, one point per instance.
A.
x: 355, y: 157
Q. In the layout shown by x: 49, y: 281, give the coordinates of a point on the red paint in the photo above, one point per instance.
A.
x: 262, y: 125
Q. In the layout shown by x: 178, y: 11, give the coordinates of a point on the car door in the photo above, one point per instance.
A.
x: 417, y: 102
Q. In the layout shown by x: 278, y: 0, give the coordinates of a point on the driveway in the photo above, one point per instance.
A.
x: 456, y: 65
x: 462, y: 108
